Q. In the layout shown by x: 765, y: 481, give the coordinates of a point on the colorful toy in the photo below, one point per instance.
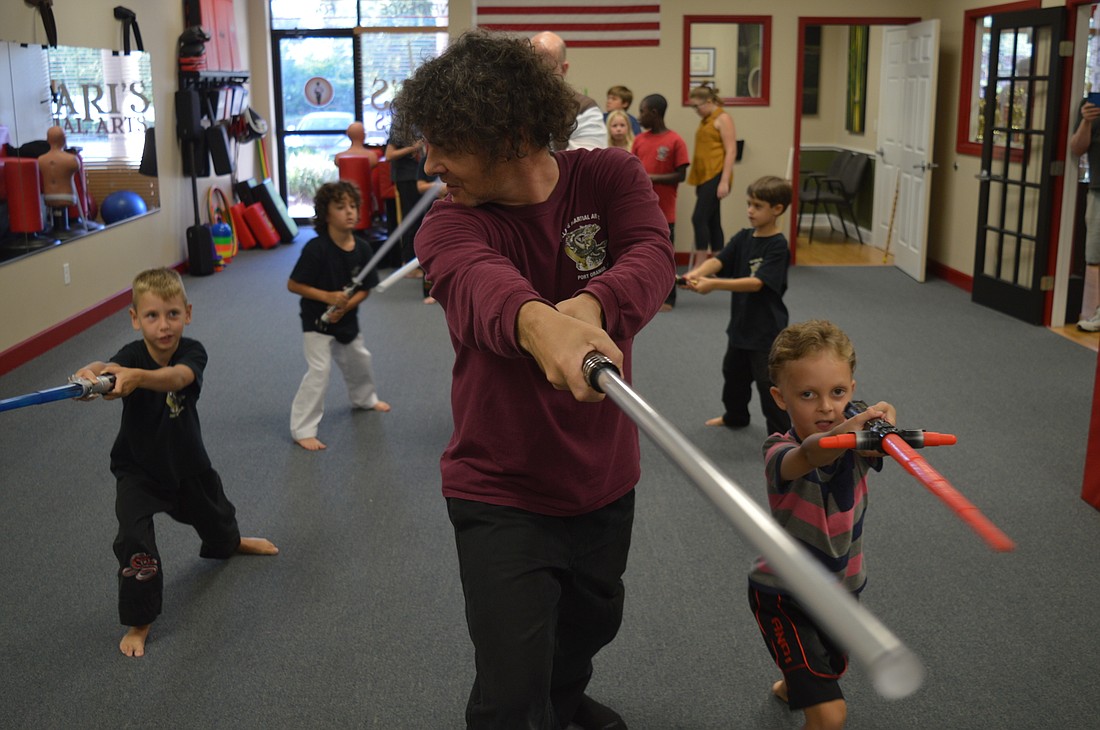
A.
x: 881, y: 435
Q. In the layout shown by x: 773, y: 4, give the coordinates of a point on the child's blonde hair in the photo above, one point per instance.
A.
x: 620, y: 114
x: 164, y: 283
x: 806, y: 339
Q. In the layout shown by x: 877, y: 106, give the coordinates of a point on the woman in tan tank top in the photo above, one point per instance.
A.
x: 711, y: 170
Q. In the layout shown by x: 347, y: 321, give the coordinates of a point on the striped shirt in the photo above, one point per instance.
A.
x: 823, y: 510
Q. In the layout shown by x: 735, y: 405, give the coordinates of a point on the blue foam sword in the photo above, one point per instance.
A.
x: 78, y: 388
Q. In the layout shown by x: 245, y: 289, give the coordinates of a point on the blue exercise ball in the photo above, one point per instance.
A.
x: 120, y: 205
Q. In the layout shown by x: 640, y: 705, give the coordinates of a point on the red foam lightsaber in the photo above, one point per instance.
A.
x: 881, y: 435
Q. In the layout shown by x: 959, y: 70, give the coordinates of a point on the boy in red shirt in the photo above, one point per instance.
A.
x: 664, y: 154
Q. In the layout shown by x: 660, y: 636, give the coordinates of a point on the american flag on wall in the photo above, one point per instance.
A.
x: 581, y: 23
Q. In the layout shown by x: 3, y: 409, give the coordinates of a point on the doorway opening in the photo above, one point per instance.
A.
x: 836, y: 106
x: 1076, y: 293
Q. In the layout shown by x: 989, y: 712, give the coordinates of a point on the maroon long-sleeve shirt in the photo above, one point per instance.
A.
x: 517, y: 441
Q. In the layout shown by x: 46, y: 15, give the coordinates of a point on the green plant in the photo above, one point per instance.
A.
x: 306, y: 172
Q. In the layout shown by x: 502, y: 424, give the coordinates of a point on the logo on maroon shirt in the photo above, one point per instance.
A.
x: 581, y: 244
x: 143, y: 566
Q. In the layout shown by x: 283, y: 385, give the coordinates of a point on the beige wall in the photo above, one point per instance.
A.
x: 768, y: 131
x: 33, y: 295
x: 103, y: 264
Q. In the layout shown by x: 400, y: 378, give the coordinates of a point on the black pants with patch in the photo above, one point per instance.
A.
x: 200, y: 502
x: 543, y: 596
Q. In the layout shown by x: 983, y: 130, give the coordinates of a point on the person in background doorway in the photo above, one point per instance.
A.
x: 1086, y: 139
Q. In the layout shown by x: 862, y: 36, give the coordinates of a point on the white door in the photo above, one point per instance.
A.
x: 906, y: 124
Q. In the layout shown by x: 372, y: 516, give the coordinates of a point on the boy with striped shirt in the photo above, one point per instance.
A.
x: 819, y: 496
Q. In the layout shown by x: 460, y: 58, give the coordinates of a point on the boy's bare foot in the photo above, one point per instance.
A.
x: 382, y: 406
x: 717, y: 421
x: 429, y: 300
x: 779, y: 689
x: 257, y: 546
x: 133, y: 643
x: 310, y: 444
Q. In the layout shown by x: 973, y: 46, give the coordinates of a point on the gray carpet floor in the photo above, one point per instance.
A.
x: 358, y: 621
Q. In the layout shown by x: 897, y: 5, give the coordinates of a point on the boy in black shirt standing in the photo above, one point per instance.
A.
x: 753, y: 268
x: 327, y: 264
x: 159, y: 458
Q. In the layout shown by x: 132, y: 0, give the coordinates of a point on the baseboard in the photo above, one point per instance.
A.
x: 951, y: 276
x: 46, y: 340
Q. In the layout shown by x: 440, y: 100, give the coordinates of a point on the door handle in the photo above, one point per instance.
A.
x: 925, y: 166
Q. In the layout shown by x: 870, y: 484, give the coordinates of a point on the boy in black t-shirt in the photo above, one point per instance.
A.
x: 753, y: 268
x: 326, y: 266
x: 158, y: 457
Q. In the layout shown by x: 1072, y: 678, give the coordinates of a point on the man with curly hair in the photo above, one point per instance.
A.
x: 537, y: 258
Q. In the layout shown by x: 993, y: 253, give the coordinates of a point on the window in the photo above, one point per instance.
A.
x: 339, y: 60
x: 975, y: 72
x: 343, y: 14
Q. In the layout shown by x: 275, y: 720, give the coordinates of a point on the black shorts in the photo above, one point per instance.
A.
x: 810, y: 661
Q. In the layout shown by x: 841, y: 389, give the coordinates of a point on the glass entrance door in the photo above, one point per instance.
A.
x: 315, y: 105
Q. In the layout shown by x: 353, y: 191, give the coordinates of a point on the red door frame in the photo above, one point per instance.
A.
x: 1090, y: 484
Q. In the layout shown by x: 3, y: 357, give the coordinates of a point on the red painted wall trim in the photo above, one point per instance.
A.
x: 32, y: 347
x: 957, y: 278
x: 46, y: 340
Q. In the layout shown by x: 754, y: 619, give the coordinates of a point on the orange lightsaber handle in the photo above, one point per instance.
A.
x: 852, y: 440
x: 916, y: 465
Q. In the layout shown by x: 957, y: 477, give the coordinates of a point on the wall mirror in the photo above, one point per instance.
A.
x: 733, y: 53
x: 103, y: 102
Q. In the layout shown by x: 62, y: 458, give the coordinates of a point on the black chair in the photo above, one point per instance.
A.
x: 839, y: 191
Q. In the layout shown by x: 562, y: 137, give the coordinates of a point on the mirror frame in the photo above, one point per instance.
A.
x: 765, y: 21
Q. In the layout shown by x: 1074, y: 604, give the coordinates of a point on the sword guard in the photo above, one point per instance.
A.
x: 591, y: 366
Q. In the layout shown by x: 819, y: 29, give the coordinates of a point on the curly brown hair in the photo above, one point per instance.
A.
x: 806, y: 339
x: 488, y: 94
x: 331, y: 192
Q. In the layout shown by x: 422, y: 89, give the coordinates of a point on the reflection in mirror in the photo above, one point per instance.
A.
x: 731, y: 53
x: 76, y: 143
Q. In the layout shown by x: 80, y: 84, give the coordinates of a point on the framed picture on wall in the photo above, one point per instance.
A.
x: 701, y: 62
x: 856, y: 107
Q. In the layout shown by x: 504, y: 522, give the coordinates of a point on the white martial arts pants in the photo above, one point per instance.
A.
x: 354, y: 361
